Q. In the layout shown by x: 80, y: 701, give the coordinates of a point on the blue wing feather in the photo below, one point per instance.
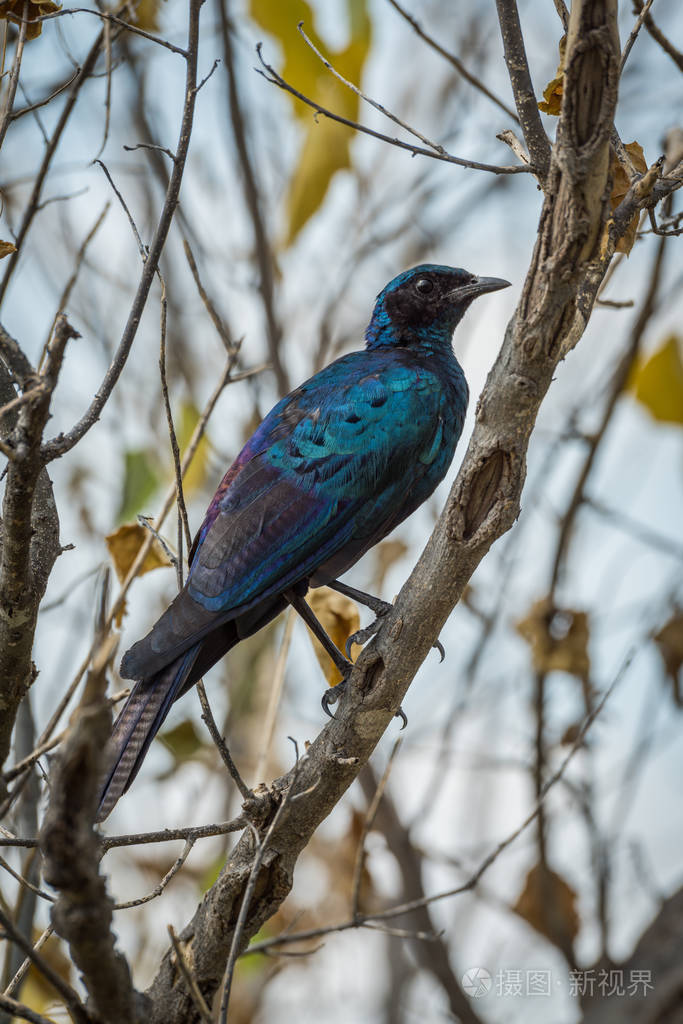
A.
x: 332, y: 469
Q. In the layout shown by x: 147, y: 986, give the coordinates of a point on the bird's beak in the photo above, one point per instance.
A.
x: 479, y: 287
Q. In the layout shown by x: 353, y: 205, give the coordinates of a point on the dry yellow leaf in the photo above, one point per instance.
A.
x: 147, y: 15
x: 6, y: 248
x: 325, y: 149
x: 339, y: 617
x: 124, y: 544
x: 548, y: 904
x: 558, y: 638
x: 669, y: 640
x: 657, y: 381
x: 620, y: 186
x: 552, y: 94
x: 13, y: 10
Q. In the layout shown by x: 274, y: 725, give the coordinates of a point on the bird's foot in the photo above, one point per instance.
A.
x: 334, y: 693
x: 331, y: 696
x: 361, y: 636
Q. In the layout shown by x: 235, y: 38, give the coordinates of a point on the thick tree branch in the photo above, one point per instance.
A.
x: 83, y: 912
x: 29, y: 536
x: 571, y: 257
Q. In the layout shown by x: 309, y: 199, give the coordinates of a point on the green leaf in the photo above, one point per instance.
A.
x: 140, y: 481
x: 183, y: 741
x: 657, y: 381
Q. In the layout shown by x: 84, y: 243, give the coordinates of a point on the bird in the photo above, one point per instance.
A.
x: 331, y: 470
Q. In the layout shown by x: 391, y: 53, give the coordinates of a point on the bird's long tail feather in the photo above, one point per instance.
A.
x: 138, y: 723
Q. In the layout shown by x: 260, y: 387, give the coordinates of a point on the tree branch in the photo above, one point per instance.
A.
x: 262, y: 250
x: 83, y: 911
x: 29, y: 536
x: 522, y: 87
x: 571, y: 257
x: 65, y: 442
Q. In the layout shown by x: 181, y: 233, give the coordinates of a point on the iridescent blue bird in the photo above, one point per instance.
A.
x: 330, y: 471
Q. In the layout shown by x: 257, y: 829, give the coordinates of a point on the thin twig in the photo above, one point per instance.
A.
x: 404, y: 908
x: 455, y: 61
x: 107, y: 100
x: 25, y: 882
x: 17, y: 1009
x: 189, y: 978
x: 221, y: 745
x: 158, y: 889
x: 275, y: 695
x: 183, y: 521
x: 14, y: 75
x: 259, y: 854
x: 367, y: 825
x: 645, y: 10
x: 265, y: 257
x: 659, y: 37
x: 68, y: 287
x: 39, y: 179
x: 151, y: 145
x: 142, y: 249
x: 368, y: 99
x: 69, y: 995
x: 167, y: 835
x: 223, y: 332
x: 65, y: 442
x: 106, y: 16
x: 16, y: 981
x: 272, y: 76
x: 32, y: 107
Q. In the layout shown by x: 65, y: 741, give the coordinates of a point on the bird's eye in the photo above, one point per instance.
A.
x: 424, y: 285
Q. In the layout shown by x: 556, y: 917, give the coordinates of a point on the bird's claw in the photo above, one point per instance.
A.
x: 331, y: 696
x: 438, y: 646
x: 361, y: 636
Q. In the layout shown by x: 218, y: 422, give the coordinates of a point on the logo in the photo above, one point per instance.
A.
x: 477, y: 982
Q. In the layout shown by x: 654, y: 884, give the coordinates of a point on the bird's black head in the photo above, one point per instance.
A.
x: 424, y: 305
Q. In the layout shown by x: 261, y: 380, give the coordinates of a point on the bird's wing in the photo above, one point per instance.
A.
x: 330, y: 463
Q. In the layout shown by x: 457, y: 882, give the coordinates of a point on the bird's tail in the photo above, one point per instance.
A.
x: 138, y: 723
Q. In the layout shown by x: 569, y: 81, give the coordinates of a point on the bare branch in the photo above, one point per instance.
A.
x: 455, y: 61
x: 39, y: 180
x: 644, y: 11
x: 569, y: 262
x: 259, y: 855
x: 272, y: 76
x: 65, y: 442
x: 263, y: 251
x: 30, y: 534
x: 83, y: 912
x: 659, y: 36
x: 112, y: 19
x: 189, y: 978
x: 367, y: 825
x: 221, y: 745
x: 13, y: 80
x: 21, y: 1010
x: 68, y: 994
x: 522, y: 88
